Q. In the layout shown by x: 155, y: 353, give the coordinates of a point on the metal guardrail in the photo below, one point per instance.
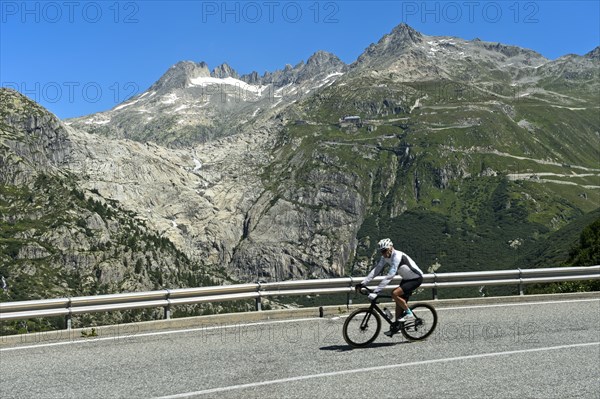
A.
x: 167, y: 298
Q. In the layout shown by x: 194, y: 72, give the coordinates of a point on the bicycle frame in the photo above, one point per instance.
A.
x: 374, y: 306
x: 381, y: 312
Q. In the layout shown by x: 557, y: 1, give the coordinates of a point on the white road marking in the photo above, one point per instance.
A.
x: 376, y: 368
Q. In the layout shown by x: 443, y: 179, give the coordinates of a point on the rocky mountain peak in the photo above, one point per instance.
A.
x: 405, y: 32
x: 390, y: 46
x: 323, y: 59
x: 594, y: 54
x: 320, y: 63
x: 252, y: 78
x: 179, y: 75
x: 318, y: 66
x: 224, y: 71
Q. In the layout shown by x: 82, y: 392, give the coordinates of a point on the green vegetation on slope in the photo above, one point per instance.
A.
x: 468, y: 179
x: 583, y: 252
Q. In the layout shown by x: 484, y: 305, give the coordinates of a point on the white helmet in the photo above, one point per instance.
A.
x: 385, y: 244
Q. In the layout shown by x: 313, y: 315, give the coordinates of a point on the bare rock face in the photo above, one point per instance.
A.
x: 33, y: 134
x: 60, y: 235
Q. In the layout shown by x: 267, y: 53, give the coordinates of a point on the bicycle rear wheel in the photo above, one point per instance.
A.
x: 361, y: 327
x: 423, y: 325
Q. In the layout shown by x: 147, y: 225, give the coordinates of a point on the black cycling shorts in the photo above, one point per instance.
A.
x: 408, y: 286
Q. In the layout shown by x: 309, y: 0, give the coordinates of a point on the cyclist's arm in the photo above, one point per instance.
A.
x: 376, y: 270
x: 389, y: 276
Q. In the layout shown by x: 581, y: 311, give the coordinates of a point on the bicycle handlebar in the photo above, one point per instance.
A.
x: 367, y: 291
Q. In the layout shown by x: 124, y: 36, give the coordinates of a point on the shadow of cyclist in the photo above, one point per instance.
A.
x: 345, y: 348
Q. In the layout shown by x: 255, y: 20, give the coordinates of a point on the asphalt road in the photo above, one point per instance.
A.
x: 534, y: 350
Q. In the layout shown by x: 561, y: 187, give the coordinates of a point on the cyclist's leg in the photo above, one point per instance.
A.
x: 400, y: 298
x: 403, y: 293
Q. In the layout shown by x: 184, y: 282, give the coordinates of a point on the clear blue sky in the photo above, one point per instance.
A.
x: 80, y: 57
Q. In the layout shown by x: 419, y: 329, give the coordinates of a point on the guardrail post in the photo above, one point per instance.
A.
x: 168, y: 307
x: 69, y: 317
x: 434, y: 292
x: 521, y: 291
x: 258, y: 302
x: 349, y: 294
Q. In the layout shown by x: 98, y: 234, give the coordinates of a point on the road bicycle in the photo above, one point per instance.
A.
x: 363, y: 325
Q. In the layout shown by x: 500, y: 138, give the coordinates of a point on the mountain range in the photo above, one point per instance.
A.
x: 464, y: 152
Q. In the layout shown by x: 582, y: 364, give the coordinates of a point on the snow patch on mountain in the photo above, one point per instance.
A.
x: 198, y: 165
x: 180, y: 108
x: 204, y: 81
x: 126, y: 104
x: 170, y: 98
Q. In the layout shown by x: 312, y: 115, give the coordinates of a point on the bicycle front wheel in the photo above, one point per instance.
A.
x: 361, y: 327
x: 423, y: 324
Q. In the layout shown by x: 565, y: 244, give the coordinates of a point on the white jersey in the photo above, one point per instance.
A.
x: 400, y: 264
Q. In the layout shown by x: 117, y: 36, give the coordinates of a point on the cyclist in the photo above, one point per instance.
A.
x: 412, y: 277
